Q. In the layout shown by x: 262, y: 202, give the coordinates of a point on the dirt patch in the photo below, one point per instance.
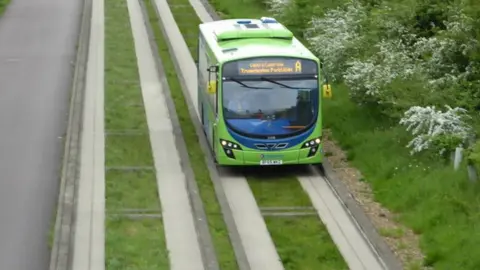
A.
x: 403, y: 242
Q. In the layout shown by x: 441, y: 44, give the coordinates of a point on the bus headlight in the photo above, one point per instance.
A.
x: 228, y: 148
x: 230, y: 145
x: 313, y: 144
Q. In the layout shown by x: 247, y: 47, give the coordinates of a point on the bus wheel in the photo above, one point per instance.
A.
x: 214, y: 157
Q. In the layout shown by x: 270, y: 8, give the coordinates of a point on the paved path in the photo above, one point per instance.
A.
x: 89, y: 251
x: 256, y: 241
x: 37, y: 47
x: 181, y: 236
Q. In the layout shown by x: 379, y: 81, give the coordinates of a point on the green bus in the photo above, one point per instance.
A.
x: 259, y: 94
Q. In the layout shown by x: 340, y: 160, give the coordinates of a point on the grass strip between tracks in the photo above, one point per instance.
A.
x: 130, y: 243
x: 218, y: 229
x: 302, y: 242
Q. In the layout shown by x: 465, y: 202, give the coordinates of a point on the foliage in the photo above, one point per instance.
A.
x: 397, y: 55
x: 390, y: 57
x: 3, y: 5
x: 474, y: 154
x: 336, y: 36
x: 446, y: 130
x: 369, y: 79
x: 278, y: 7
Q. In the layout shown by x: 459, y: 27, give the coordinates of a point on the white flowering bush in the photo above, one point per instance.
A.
x: 335, y: 36
x: 278, y: 7
x: 443, y: 54
x: 436, y: 129
x: 368, y: 79
x: 391, y: 58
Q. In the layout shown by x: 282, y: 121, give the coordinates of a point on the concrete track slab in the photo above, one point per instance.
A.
x: 259, y: 247
x: 37, y: 47
x: 257, y: 243
x: 89, y: 245
x: 181, y: 236
x: 355, y: 249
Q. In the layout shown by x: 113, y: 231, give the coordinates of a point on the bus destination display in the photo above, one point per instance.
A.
x: 270, y: 66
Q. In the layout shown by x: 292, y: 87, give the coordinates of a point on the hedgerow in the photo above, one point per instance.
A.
x: 397, y: 56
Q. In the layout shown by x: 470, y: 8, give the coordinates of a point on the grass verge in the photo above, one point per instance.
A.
x: 3, y: 5
x: 223, y: 248
x: 140, y: 243
x: 304, y: 254
x: 436, y: 202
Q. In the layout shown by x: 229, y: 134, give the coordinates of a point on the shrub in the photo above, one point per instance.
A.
x: 399, y: 58
x: 442, y: 131
x: 474, y: 154
x: 368, y: 79
x: 278, y: 7
x: 335, y: 37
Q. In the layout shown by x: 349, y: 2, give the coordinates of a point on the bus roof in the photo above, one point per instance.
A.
x: 242, y: 38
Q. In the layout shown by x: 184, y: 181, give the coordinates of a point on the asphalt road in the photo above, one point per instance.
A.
x: 37, y: 48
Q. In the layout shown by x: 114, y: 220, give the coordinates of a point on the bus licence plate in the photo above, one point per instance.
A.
x: 271, y: 162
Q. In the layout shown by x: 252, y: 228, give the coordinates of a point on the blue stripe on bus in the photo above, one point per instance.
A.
x: 250, y: 142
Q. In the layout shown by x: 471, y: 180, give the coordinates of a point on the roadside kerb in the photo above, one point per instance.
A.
x: 61, y: 254
x: 89, y: 244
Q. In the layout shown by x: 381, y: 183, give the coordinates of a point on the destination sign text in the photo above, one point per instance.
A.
x: 270, y: 66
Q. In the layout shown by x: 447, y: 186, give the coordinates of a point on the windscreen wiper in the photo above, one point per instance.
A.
x: 281, y: 84
x: 246, y: 86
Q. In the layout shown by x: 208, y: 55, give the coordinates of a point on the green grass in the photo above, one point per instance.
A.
x: 310, y: 249
x: 432, y: 199
x: 128, y: 150
x: 273, y: 192
x: 130, y: 244
x: 392, y: 232
x: 239, y: 8
x: 141, y: 245
x: 187, y: 23
x: 131, y: 190
x: 218, y: 229
x: 279, y: 192
x: 3, y: 5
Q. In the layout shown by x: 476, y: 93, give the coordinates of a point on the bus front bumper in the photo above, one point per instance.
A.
x: 265, y: 158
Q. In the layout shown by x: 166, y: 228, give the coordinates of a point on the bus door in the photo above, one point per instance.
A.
x: 213, y: 99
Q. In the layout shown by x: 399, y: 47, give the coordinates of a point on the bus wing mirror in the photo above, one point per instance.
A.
x: 327, y: 91
x: 212, y: 87
x: 212, y: 69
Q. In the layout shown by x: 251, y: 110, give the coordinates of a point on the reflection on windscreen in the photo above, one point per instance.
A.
x: 269, y: 109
